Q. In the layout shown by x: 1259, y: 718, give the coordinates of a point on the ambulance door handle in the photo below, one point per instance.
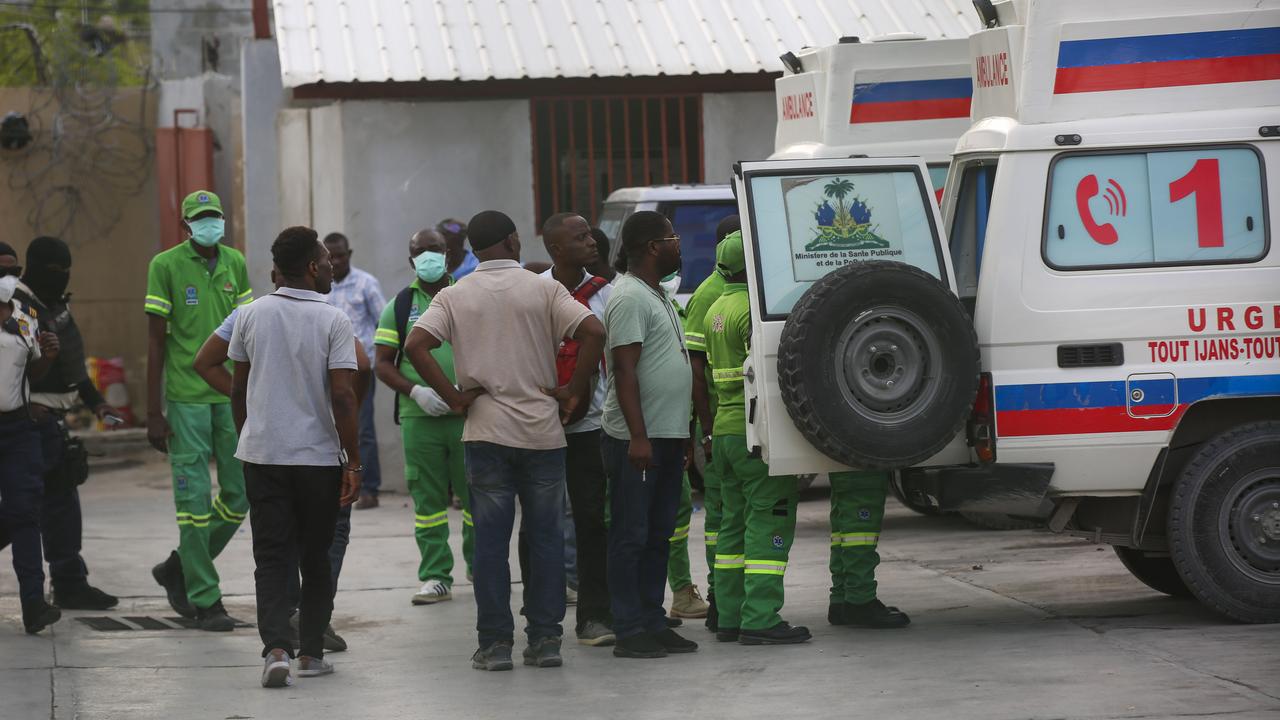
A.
x: 750, y: 375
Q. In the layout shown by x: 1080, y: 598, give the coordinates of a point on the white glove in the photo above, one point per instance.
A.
x: 429, y: 400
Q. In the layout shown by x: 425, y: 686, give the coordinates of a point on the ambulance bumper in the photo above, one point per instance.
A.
x: 1012, y: 489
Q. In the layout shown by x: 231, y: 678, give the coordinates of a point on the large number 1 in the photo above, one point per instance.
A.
x: 1202, y: 181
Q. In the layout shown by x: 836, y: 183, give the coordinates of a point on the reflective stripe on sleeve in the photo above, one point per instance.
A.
x: 157, y: 305
x: 726, y: 375
x: 386, y: 336
x: 244, y: 298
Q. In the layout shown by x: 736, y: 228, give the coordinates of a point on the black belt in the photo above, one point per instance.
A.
x: 15, y: 414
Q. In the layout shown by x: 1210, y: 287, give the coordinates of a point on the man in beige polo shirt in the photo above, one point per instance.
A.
x: 505, y: 325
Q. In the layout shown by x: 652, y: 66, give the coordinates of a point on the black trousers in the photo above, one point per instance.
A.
x: 588, y: 496
x: 293, y: 510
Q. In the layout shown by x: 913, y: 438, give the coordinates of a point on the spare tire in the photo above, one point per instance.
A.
x: 878, y: 365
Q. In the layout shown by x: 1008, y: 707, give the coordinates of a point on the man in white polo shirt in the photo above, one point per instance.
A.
x: 299, y: 442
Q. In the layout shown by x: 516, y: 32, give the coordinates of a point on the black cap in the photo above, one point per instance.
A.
x: 488, y: 228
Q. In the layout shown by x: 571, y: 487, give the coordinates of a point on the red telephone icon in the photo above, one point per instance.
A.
x: 1103, y: 234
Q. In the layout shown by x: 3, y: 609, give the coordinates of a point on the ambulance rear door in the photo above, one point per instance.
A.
x: 803, y: 219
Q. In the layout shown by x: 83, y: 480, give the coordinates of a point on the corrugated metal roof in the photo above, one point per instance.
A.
x: 410, y: 40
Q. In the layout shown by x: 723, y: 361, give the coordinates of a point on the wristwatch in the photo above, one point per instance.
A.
x: 706, y: 439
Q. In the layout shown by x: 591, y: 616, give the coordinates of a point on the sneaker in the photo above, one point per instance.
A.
x: 275, y: 670
x: 313, y: 667
x: 168, y: 575
x: 544, y: 653
x: 38, y: 615
x: 643, y: 646
x: 433, y: 591
x: 84, y: 597
x: 874, y: 614
x: 687, y: 603
x: 781, y: 634
x: 495, y: 657
x: 728, y: 634
x: 214, y: 619
x: 595, y: 634
x: 333, y: 642
x: 570, y: 596
x: 713, y: 615
x: 672, y: 641
x: 366, y: 502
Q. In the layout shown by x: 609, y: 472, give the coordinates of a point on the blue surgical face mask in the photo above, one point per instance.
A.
x: 207, y: 231
x: 429, y: 266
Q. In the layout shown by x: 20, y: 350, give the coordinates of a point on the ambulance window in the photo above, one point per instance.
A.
x: 969, y: 225
x: 611, y: 218
x: 696, y: 223
x: 807, y: 225
x: 1167, y: 207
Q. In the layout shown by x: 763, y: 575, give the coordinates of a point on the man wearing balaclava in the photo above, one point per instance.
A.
x: 62, y: 388
x: 191, y: 288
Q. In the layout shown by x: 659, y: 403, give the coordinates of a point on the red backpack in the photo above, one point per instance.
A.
x: 567, y: 355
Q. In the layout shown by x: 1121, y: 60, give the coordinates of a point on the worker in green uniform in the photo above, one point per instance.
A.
x: 432, y: 434
x: 857, y: 510
x: 704, y: 409
x: 191, y: 288
x: 685, y: 600
x: 759, y: 511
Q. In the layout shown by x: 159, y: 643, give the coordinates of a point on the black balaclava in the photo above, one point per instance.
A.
x: 48, y: 285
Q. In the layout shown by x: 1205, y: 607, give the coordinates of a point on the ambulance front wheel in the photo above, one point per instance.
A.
x: 878, y: 365
x: 1224, y: 523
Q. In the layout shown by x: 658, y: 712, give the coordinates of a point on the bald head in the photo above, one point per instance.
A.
x: 428, y: 239
x: 569, y: 242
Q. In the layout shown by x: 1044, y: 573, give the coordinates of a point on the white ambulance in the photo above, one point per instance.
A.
x: 1109, y: 223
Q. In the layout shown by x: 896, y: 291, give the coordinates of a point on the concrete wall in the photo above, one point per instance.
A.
x: 735, y: 126
x: 178, y: 38
x: 109, y: 268
x: 263, y: 97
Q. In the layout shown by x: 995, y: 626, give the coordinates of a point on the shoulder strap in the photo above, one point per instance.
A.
x: 404, y: 299
x: 588, y: 289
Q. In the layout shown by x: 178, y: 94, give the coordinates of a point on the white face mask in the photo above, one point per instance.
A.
x: 671, y: 284
x: 8, y: 284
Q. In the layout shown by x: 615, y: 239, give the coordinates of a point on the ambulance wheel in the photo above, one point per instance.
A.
x: 1224, y: 523
x: 908, y: 500
x: 1157, y: 573
x: 1000, y: 521
x: 878, y: 365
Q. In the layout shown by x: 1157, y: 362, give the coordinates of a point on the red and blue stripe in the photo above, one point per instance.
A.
x: 1101, y: 407
x: 1179, y: 59
x: 911, y: 100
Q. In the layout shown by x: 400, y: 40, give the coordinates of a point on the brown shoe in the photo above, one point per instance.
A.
x: 687, y: 603
x: 367, y: 502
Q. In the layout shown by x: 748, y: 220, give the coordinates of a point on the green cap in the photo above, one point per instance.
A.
x: 198, y: 202
x: 731, y: 259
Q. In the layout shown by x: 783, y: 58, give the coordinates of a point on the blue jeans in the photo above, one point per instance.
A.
x: 372, y: 478
x: 642, y: 509
x: 21, y: 500
x: 497, y: 475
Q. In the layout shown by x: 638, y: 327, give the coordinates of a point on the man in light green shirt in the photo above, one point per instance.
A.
x: 191, y: 288
x: 646, y: 424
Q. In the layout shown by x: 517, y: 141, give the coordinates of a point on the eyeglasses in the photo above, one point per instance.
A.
x: 669, y: 239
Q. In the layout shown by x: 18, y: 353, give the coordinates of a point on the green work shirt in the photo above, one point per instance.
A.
x: 389, y: 335
x: 695, y: 320
x: 638, y: 313
x: 728, y: 342
x: 194, y: 300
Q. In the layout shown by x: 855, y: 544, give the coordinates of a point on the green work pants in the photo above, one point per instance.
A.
x: 711, y: 512
x: 756, y: 531
x: 857, y: 511
x: 433, y: 459
x: 679, y: 574
x: 206, y: 523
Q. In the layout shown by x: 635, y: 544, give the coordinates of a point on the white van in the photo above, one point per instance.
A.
x: 893, y: 95
x: 1109, y: 224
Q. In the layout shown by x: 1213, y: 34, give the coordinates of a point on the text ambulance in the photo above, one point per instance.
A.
x: 1109, y: 223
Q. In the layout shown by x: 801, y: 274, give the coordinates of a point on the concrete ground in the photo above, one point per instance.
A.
x: 1018, y: 624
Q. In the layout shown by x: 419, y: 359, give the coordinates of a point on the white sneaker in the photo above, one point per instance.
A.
x: 433, y: 591
x: 275, y: 670
x: 313, y: 667
x: 570, y: 596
